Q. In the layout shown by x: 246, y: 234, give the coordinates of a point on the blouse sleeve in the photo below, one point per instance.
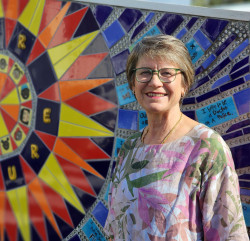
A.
x: 222, y: 215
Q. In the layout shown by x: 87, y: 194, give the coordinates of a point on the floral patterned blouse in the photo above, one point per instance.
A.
x: 183, y: 190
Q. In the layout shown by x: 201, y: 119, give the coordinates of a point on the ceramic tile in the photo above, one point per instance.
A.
x: 92, y: 231
x: 36, y: 51
x: 208, y: 61
x: 190, y: 114
x: 51, y: 232
x: 239, y: 49
x: 2, y: 33
x: 232, y: 135
x: 181, y: 33
x: 128, y: 119
x: 219, y: 67
x: 118, y: 145
x: 87, y: 25
x: 223, y: 46
x: 41, y: 73
x: 202, y: 40
x: 143, y: 119
x: 213, y: 27
x: 221, y: 81
x: 101, y: 166
x: 102, y: 13
x: 194, y: 50
x: 75, y: 238
x: 52, y: 93
x: 125, y: 95
x: 245, y: 184
x: 9, y: 28
x: 241, y: 155
x: 199, y: 70
x: 75, y: 7
x: 129, y: 17
x: 19, y: 181
x: 75, y: 214
x: 240, y: 72
x: 191, y: 23
x: 113, y: 33
x: 199, y: 83
x: 100, y: 212
x: 138, y: 29
x: 207, y: 95
x: 169, y: 23
x: 238, y: 125
x: 240, y: 64
x: 232, y: 84
x: 246, y: 130
x: 119, y: 61
x: 49, y: 140
x: 149, y: 17
x: 242, y: 101
x: 247, y: 77
x: 106, y: 144
x: 65, y: 228
x: 189, y: 101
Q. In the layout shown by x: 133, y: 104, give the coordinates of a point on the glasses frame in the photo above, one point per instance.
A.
x: 158, y: 74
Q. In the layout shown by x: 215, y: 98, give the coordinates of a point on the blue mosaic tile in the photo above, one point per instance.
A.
x: 217, y: 112
x: 241, y: 72
x: 239, y: 49
x: 242, y: 101
x: 106, y: 196
x: 213, y: 27
x: 225, y: 44
x: 202, y: 40
x: 246, y: 130
x: 199, y: 83
x: 190, y: 114
x: 125, y: 94
x: 244, y: 192
x: 194, y: 50
x: 119, y: 62
x: 129, y: 17
x: 113, y: 33
x: 101, y: 13
x: 247, y: 77
x: 181, y: 33
x: 118, y: 145
x: 221, y: 81
x: 208, y: 61
x: 238, y: 125
x: 100, y: 212
x: 232, y: 135
x: 138, y: 29
x: 232, y: 84
x: 244, y: 184
x: 246, y: 212
x: 199, y: 70
x: 128, y: 119
x: 92, y: 231
x: 149, y: 17
x: 143, y: 119
x: 191, y: 23
x: 189, y: 101
x: 75, y: 238
x: 207, y: 95
x: 241, y: 155
x: 169, y: 23
x: 219, y: 67
x: 240, y: 64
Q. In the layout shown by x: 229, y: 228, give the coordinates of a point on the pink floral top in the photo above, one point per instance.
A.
x: 184, y: 190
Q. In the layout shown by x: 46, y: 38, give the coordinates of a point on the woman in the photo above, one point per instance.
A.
x: 175, y: 180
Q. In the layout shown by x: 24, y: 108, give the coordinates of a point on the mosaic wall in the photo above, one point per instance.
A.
x: 65, y: 107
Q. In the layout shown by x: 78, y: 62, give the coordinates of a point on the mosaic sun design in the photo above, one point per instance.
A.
x: 57, y: 117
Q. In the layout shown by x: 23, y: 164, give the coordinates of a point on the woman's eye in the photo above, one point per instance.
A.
x: 145, y: 72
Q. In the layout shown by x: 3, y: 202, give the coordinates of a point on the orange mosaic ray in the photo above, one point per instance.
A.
x: 11, y: 10
x: 12, y: 110
x: 64, y: 151
x: 69, y: 89
x: 3, y: 77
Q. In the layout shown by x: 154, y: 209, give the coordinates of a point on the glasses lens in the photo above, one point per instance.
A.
x: 167, y: 75
x: 143, y: 74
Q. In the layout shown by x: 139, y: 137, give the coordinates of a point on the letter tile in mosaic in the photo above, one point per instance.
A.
x: 181, y: 33
x: 194, y: 50
x: 208, y: 61
x: 129, y: 17
x: 149, y: 17
x: 218, y: 112
x: 143, y: 119
x: 138, y: 29
x: 241, y: 155
x: 246, y: 130
x: 12, y: 173
x: 232, y: 135
x: 125, y: 94
x: 242, y: 101
x: 219, y: 67
x: 75, y: 238
x: 221, y: 81
x: 189, y: 101
x: 100, y: 213
x: 239, y: 49
x: 118, y: 145
x: 102, y: 13
x: 240, y: 72
x: 169, y: 23
x: 202, y: 40
x: 119, y: 61
x: 113, y: 33
x: 191, y: 23
x: 92, y: 231
x: 207, y: 95
x: 240, y: 64
x: 232, y: 84
x: 127, y: 119
x: 238, y: 125
x: 223, y: 46
x: 190, y: 113
x: 213, y: 27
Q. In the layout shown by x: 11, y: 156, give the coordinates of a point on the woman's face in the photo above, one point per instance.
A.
x: 155, y: 96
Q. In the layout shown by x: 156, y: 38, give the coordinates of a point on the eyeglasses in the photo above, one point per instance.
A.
x: 166, y: 75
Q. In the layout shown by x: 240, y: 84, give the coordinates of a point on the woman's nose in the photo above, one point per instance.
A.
x: 155, y: 81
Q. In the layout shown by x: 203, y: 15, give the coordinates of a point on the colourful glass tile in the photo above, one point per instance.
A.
x: 118, y: 145
x: 191, y: 23
x: 105, y: 144
x: 246, y: 130
x: 128, y: 119
x: 92, y: 231
x: 240, y: 72
x: 49, y: 140
x: 207, y: 95
x: 65, y: 229
x: 213, y: 27
x: 102, y: 166
x: 125, y: 94
x: 2, y: 35
x: 247, y: 77
x: 232, y: 84
x: 143, y: 119
x: 74, y: 7
x: 96, y: 182
x: 208, y: 61
x: 232, y: 135
x: 113, y: 33
x: 239, y: 49
x: 241, y: 155
x: 75, y: 238
x: 238, y: 125
x: 129, y: 17
x: 119, y: 61
x: 194, y: 50
x: 169, y: 23
x: 242, y: 101
x: 199, y: 83
x: 100, y: 212
x: 219, y: 67
x: 221, y: 81
x: 246, y: 210
x: 181, y: 33
x: 240, y: 64
x: 199, y: 70
x: 217, y: 112
x: 138, y: 29
x: 52, y: 93
x: 188, y: 101
x: 102, y: 13
x: 9, y: 28
x: 223, y: 46
x: 51, y: 231
x: 149, y: 17
x: 202, y: 40
x: 190, y: 114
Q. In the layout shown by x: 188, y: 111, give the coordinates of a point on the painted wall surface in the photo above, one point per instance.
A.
x: 65, y: 106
